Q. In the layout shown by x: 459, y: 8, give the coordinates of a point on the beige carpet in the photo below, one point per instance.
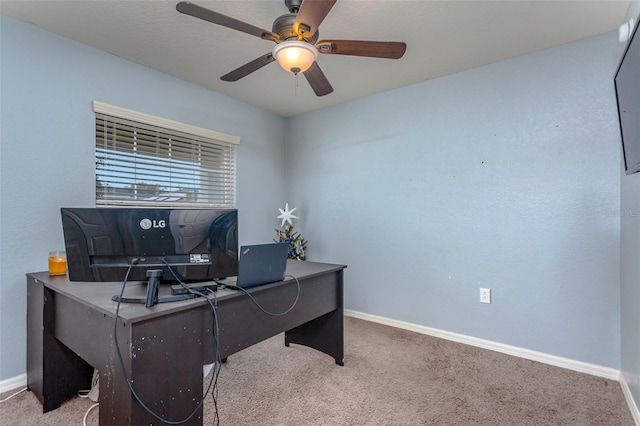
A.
x: 390, y: 377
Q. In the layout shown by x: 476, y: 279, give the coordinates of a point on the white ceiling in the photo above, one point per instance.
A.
x: 443, y: 37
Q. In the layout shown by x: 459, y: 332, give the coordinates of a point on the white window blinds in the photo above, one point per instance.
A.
x: 143, y: 160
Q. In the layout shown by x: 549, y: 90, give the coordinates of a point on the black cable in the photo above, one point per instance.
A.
x: 217, y: 367
x: 215, y: 341
x: 295, y: 302
x: 217, y: 359
x: 217, y: 363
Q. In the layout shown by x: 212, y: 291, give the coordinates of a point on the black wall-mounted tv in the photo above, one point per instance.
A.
x: 198, y: 244
x: 627, y: 85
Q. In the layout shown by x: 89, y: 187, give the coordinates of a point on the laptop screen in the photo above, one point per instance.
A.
x: 262, y: 264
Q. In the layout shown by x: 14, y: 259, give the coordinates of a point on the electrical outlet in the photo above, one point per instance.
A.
x: 485, y: 295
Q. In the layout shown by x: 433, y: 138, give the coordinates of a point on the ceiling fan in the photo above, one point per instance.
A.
x: 296, y: 37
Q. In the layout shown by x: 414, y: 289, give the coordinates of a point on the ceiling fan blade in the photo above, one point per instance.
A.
x: 248, y: 68
x: 317, y: 80
x: 311, y: 15
x: 371, y: 49
x: 226, y: 21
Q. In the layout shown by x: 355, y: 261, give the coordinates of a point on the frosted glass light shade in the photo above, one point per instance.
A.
x: 295, y: 56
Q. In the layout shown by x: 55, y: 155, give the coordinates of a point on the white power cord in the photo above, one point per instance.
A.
x: 84, y: 419
x: 11, y: 396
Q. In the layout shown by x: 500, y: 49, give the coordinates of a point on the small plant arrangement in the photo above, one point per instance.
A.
x: 286, y: 233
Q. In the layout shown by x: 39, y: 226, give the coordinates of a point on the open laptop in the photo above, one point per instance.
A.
x: 261, y: 264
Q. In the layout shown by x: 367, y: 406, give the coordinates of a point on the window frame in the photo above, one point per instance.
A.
x: 218, y: 148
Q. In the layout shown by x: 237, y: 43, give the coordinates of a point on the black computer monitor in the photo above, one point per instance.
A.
x: 197, y: 244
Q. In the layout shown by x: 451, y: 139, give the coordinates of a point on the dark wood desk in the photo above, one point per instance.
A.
x: 70, y: 329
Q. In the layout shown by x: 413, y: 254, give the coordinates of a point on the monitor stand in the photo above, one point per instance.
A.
x: 153, y: 285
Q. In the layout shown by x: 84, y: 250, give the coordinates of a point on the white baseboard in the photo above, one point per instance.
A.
x: 582, y: 367
x: 635, y: 413
x: 13, y: 383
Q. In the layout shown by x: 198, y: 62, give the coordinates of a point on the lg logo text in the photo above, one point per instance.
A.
x: 148, y: 223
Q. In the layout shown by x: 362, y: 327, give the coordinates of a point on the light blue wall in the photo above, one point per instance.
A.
x: 504, y: 176
x: 630, y: 269
x: 47, y: 152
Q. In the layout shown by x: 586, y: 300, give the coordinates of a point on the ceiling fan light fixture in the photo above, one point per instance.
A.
x: 295, y: 56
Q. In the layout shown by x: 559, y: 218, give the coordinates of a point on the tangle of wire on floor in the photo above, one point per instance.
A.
x: 215, y: 343
x: 13, y: 394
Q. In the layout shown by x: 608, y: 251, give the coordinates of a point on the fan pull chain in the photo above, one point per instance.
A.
x: 295, y: 88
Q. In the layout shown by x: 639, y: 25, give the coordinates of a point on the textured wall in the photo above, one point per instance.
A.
x: 48, y: 138
x: 505, y: 176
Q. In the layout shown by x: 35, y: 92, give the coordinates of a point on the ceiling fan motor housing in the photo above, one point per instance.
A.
x: 283, y: 26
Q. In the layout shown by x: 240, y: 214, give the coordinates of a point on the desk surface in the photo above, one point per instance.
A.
x: 97, y: 295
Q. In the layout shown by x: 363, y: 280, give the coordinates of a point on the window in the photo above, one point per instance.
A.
x: 142, y: 160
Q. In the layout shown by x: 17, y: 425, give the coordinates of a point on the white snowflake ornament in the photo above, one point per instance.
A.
x: 287, y: 215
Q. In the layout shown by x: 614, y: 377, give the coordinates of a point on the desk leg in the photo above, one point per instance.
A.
x: 54, y: 372
x: 325, y: 333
